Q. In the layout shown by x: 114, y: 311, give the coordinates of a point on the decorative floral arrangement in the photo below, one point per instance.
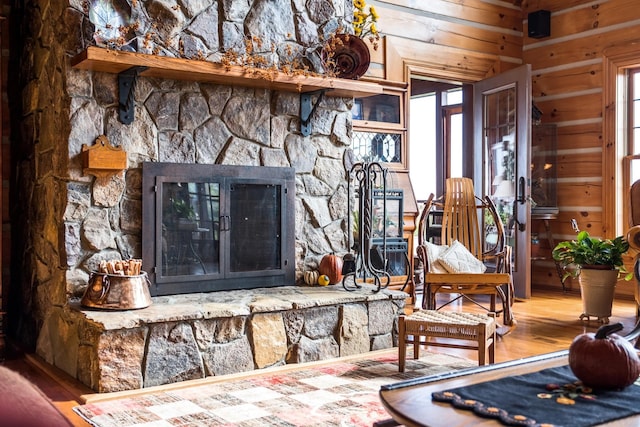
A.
x: 364, y: 22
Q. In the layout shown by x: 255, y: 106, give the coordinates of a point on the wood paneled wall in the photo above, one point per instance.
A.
x: 569, y: 88
x: 470, y: 40
x: 461, y: 41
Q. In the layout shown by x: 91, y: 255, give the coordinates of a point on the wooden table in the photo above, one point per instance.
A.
x: 409, y: 402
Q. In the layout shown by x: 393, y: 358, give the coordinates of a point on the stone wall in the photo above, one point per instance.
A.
x: 66, y: 221
x: 187, y: 122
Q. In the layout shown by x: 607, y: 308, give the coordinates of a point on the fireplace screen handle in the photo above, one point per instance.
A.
x: 225, y: 223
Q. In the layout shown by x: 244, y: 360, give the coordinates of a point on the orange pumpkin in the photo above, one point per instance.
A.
x: 331, y: 266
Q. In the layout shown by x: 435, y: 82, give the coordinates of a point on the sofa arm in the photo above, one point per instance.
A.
x: 25, y: 405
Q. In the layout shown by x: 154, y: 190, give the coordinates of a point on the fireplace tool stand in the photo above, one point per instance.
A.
x: 368, y: 260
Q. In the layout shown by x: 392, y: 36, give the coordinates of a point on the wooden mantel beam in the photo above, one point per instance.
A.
x: 115, y: 61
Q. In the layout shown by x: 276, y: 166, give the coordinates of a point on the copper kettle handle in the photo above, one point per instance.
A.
x: 104, y: 288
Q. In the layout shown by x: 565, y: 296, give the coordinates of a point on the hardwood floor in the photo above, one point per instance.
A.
x: 547, y: 322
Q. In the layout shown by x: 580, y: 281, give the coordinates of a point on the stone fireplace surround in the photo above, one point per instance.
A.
x: 81, y: 220
x: 193, y: 336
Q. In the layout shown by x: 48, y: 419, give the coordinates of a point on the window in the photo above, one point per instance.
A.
x: 633, y: 146
x: 620, y: 124
x: 435, y: 135
x: 379, y: 134
x: 422, y: 134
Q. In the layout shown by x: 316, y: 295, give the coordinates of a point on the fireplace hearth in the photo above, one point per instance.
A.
x: 217, y: 227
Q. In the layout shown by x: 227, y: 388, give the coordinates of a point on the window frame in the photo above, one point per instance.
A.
x: 373, y: 126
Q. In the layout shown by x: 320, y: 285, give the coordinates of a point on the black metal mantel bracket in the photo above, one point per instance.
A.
x: 307, y: 108
x: 126, y: 85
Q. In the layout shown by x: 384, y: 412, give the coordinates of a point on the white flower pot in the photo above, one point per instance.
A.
x: 597, y: 288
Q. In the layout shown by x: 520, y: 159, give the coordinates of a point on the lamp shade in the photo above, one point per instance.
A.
x: 505, y: 189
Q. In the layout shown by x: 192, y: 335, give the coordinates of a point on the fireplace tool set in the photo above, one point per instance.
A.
x: 369, y: 259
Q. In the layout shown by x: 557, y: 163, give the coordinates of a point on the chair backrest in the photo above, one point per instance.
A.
x: 491, y: 240
x: 634, y: 202
x: 460, y: 216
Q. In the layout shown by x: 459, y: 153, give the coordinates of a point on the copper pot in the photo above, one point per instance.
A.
x: 117, y: 292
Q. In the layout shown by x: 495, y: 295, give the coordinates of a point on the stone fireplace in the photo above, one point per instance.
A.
x: 81, y: 220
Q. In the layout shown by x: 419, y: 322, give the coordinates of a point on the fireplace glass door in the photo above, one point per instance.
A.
x: 190, y: 243
x: 213, y: 227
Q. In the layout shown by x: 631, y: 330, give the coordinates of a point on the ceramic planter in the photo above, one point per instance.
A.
x: 597, y: 287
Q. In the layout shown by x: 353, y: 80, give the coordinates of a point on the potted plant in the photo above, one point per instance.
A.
x: 598, y: 264
x: 185, y: 214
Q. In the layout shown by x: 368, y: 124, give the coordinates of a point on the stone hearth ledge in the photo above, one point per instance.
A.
x: 213, y: 305
x: 192, y: 336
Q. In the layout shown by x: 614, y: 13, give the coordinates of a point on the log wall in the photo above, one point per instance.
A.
x: 462, y: 41
x: 476, y: 39
x: 569, y: 87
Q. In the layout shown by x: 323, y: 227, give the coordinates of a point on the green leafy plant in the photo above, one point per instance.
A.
x: 183, y: 209
x: 587, y: 251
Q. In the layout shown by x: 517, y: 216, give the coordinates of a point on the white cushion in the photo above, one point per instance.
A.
x: 433, y: 256
x: 458, y: 259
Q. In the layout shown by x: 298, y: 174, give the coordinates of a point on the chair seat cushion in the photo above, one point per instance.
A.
x: 458, y: 259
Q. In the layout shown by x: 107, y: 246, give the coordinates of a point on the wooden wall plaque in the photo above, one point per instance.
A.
x: 103, y: 159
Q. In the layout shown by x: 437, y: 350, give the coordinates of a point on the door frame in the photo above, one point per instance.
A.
x: 520, y: 78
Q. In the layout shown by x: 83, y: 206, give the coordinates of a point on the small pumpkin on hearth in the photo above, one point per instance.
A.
x: 323, y: 280
x: 331, y: 266
x: 311, y: 277
x: 604, y: 359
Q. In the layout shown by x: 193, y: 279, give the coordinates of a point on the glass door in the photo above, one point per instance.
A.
x: 502, y: 112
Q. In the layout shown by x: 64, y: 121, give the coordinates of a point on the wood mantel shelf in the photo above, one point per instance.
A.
x: 115, y: 61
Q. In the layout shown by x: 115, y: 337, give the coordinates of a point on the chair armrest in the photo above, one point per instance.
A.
x: 501, y: 258
x: 421, y: 252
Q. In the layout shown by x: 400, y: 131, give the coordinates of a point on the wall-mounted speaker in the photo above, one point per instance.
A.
x: 540, y: 24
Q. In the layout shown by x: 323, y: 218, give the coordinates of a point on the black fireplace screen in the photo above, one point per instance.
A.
x: 213, y: 227
x: 255, y: 234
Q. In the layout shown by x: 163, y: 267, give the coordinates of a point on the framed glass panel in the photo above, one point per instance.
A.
x: 190, y: 229
x: 256, y: 235
x: 384, y: 147
x: 383, y: 108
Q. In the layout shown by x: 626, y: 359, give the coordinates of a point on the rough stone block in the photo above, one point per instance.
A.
x: 120, y: 358
x: 308, y: 350
x: 380, y: 342
x: 268, y: 338
x: 354, y: 332
x: 229, y: 358
x: 320, y: 322
x: 58, y: 341
x: 293, y: 322
x: 172, y: 355
x: 381, y: 317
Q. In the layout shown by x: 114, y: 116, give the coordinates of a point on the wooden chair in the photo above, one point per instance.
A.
x: 460, y: 221
x: 633, y: 236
